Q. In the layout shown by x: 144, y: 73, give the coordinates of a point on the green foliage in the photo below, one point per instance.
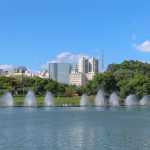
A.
x: 81, y: 90
x: 127, y: 77
x: 140, y: 85
x: 135, y: 67
x: 20, y: 85
x: 104, y: 80
x: 131, y: 77
x: 70, y: 90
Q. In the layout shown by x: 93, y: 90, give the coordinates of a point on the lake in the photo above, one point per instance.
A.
x: 64, y: 128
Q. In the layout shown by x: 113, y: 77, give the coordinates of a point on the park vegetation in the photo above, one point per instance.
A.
x: 129, y: 77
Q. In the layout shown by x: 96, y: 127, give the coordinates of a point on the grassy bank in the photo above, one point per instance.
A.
x: 59, y: 101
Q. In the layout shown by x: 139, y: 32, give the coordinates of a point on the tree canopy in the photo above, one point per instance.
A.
x: 129, y: 77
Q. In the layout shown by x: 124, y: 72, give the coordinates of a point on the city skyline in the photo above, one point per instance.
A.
x: 62, y: 72
x: 74, y: 63
x: 34, y: 33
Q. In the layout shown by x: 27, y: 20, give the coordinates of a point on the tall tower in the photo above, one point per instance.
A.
x: 59, y: 72
x: 83, y: 66
x: 93, y: 65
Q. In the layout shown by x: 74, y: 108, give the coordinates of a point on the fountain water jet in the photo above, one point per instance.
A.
x: 84, y: 100
x: 114, y: 99
x: 49, y: 100
x: 145, y: 100
x: 30, y: 100
x: 131, y: 100
x: 100, y: 99
x: 7, y: 100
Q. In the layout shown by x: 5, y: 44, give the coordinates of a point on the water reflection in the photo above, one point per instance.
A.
x: 74, y: 128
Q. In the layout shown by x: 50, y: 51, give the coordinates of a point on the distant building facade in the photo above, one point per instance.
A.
x: 83, y: 65
x: 1, y: 72
x: 93, y: 65
x: 59, y: 72
x: 28, y: 74
x: 77, y: 78
x: 88, y: 65
x: 19, y: 70
x: 80, y: 79
x: 84, y: 71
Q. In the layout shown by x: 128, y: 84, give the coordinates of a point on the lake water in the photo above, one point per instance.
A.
x: 75, y: 128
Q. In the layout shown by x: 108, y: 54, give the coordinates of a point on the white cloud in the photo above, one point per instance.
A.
x: 6, y: 67
x: 69, y: 57
x: 65, y: 57
x: 144, y: 47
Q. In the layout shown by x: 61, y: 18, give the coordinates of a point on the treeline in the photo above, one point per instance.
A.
x: 19, y: 85
x: 129, y: 77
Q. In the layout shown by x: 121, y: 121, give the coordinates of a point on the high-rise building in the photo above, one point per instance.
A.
x: 76, y: 68
x: 52, y: 68
x: 88, y: 65
x: 93, y: 65
x: 59, y: 72
x: 83, y: 65
x: 85, y: 71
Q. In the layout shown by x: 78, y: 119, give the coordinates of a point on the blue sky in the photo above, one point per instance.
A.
x: 33, y: 32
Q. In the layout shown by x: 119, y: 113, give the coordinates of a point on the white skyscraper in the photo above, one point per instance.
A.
x: 83, y: 66
x: 84, y: 71
x: 88, y: 65
x: 93, y: 65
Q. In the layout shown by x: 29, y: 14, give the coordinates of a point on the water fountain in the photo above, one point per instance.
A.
x: 84, y: 100
x: 114, y: 99
x: 145, y: 100
x: 30, y: 100
x: 100, y: 99
x: 7, y: 100
x: 49, y: 100
x: 131, y: 100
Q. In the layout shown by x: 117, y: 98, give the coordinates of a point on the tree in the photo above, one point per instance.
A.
x: 81, y: 90
x: 104, y: 80
x: 70, y: 90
